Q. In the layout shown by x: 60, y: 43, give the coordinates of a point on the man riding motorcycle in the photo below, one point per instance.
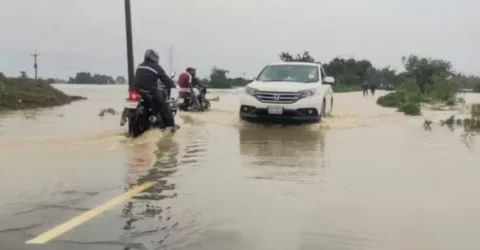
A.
x: 189, y: 83
x: 196, y: 82
x: 185, y: 82
x: 146, y: 77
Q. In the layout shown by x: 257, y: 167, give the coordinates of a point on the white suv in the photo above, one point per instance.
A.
x: 298, y: 91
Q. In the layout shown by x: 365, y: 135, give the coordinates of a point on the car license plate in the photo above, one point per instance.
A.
x: 131, y: 105
x: 275, y: 110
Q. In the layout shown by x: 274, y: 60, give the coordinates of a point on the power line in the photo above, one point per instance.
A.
x: 35, y: 64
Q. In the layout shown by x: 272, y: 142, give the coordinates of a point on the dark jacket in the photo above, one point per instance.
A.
x: 147, y: 75
x: 196, y: 83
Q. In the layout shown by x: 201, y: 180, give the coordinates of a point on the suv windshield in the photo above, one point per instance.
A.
x: 289, y: 73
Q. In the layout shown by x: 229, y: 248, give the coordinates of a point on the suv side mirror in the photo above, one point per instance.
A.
x: 329, y: 80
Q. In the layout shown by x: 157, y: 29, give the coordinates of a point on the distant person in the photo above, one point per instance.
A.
x: 365, y: 88
x: 373, y: 86
x: 146, y: 78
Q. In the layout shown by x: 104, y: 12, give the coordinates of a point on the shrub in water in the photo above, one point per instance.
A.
x: 410, y: 108
x: 388, y: 100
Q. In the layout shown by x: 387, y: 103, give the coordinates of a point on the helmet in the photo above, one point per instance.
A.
x: 151, y: 54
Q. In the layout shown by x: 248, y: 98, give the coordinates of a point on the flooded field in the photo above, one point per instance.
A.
x: 365, y: 178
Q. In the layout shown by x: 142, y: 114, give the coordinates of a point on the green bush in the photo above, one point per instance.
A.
x: 2, y: 88
x: 410, y: 108
x: 392, y: 100
x: 408, y: 96
x: 443, y: 90
x: 476, y: 88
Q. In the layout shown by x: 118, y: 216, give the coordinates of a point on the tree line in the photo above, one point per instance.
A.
x: 88, y: 78
x: 351, y: 73
x: 22, y: 77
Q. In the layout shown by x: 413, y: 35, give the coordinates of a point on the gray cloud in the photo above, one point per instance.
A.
x: 242, y: 36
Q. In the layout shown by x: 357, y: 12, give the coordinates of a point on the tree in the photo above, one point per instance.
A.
x: 2, y: 77
x: 350, y: 71
x: 466, y: 82
x: 424, y: 70
x: 305, y: 57
x: 218, y: 78
x: 120, y: 80
x: 23, y: 75
x: 286, y: 57
x: 87, y: 78
x: 476, y: 88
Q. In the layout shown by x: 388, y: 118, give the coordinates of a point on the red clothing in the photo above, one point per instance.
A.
x: 185, y: 80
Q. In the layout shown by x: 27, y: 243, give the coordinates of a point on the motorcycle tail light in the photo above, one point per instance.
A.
x: 133, y: 95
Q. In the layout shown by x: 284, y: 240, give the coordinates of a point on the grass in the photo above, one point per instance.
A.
x: 16, y: 94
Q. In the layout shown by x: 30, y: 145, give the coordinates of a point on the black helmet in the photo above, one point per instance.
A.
x: 151, y: 54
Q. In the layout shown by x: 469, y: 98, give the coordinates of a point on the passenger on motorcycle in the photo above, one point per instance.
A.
x: 186, y: 83
x: 146, y: 77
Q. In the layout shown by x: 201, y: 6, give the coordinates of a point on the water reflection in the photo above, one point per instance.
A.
x: 148, y: 215
x: 271, y: 152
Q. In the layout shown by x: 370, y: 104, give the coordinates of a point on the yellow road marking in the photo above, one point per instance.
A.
x: 82, y: 218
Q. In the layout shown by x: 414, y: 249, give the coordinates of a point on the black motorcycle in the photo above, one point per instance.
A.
x: 138, y: 111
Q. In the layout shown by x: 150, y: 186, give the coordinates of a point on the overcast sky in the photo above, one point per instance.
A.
x: 238, y: 35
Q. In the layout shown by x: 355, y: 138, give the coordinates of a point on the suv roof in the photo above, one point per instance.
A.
x: 295, y: 63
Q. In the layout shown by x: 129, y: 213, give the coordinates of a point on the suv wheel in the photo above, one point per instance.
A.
x: 331, y: 105
x: 322, y: 112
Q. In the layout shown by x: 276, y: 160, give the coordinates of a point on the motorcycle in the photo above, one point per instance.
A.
x: 138, y: 111
x: 186, y: 102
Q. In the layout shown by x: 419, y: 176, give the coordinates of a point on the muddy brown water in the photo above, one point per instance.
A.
x: 366, y: 178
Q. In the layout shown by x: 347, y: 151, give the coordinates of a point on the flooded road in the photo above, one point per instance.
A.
x: 366, y: 178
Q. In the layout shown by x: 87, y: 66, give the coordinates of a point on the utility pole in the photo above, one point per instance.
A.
x: 35, y: 64
x: 170, y: 58
x: 128, y: 28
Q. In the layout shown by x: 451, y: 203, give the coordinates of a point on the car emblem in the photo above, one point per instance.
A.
x: 276, y: 97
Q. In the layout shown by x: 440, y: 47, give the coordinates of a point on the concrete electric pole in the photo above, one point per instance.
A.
x: 128, y: 28
x: 35, y: 63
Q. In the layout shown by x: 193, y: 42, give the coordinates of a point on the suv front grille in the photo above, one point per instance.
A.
x: 277, y: 97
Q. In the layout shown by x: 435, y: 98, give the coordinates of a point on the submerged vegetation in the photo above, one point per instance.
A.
x: 24, y: 93
x: 470, y: 125
x: 425, y: 80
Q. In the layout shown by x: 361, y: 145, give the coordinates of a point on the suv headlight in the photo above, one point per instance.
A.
x: 308, y: 93
x: 250, y: 91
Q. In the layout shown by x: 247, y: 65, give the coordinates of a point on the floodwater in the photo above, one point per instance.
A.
x: 365, y: 178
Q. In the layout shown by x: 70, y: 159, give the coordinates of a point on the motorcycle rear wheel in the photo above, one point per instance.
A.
x: 135, y: 126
